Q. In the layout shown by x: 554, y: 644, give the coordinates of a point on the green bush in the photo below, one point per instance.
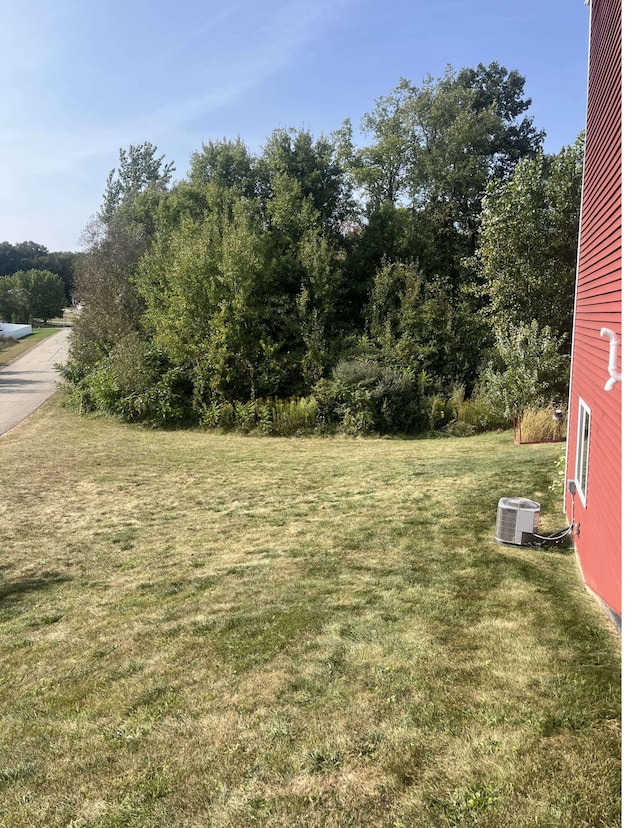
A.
x: 458, y: 428
x: 345, y: 402
x: 368, y: 395
x: 104, y: 389
x: 293, y: 416
x: 246, y: 415
x: 283, y: 418
x: 440, y: 413
x: 364, y: 396
x: 481, y: 414
x: 529, y: 370
x: 227, y: 418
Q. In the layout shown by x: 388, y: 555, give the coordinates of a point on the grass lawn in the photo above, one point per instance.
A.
x: 10, y: 349
x: 207, y: 630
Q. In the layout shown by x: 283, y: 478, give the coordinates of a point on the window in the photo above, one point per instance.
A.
x: 582, y: 450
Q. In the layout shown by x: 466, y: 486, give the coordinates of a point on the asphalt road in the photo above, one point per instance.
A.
x: 31, y: 379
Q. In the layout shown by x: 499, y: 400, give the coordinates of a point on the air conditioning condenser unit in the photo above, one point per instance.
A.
x: 517, y: 521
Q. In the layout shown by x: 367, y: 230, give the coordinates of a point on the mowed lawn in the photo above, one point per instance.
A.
x: 217, y: 630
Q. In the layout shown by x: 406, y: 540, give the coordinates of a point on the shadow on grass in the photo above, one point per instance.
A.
x: 14, y: 588
x: 560, y: 546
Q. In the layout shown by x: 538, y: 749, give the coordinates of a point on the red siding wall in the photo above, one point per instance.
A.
x: 599, y: 304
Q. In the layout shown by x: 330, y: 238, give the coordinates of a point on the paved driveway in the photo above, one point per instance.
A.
x: 31, y: 379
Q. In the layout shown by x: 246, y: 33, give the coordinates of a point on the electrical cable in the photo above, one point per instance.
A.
x: 555, y: 537
x: 560, y: 534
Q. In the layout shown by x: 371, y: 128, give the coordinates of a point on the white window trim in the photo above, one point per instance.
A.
x: 582, y: 486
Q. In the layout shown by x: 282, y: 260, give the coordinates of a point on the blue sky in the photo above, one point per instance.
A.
x: 79, y: 80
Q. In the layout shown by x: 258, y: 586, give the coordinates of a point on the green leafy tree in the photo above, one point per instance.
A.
x: 442, y: 142
x: 320, y: 323
x: 528, y: 242
x: 5, y: 308
x: 494, y: 87
x: 106, y: 286
x: 383, y: 168
x: 435, y: 149
x: 22, y: 256
x: 139, y: 171
x: 30, y: 294
x: 227, y: 164
x: 315, y: 165
x: 32, y: 256
x: 529, y: 370
x: 409, y: 319
x: 14, y: 298
x: 64, y: 263
x: 113, y: 244
x: 206, y: 305
x: 46, y: 294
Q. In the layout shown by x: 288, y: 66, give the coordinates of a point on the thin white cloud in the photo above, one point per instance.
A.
x: 45, y: 166
x: 272, y: 42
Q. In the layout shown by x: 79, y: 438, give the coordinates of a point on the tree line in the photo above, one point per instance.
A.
x: 353, y: 287
x: 34, y: 282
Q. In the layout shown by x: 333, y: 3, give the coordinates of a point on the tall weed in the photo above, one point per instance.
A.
x: 537, y: 425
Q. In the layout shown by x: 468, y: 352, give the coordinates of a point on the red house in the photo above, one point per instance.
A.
x: 594, y: 438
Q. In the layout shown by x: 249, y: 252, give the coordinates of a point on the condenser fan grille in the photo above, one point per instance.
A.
x: 517, y: 520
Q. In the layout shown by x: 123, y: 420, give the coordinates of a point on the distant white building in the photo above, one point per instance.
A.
x: 9, y: 331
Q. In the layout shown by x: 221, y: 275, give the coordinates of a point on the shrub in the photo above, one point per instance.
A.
x: 356, y: 423
x: 346, y: 401
x: 246, y: 415
x: 531, y: 370
x: 440, y: 413
x: 167, y: 401
x: 327, y: 396
x: 293, y: 416
x: 104, y: 389
x: 458, y: 428
x: 400, y: 404
x: 481, y: 414
x: 227, y: 418
x: 277, y: 417
x: 366, y: 394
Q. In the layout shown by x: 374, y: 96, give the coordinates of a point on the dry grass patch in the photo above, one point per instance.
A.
x: 537, y: 425
x: 205, y: 630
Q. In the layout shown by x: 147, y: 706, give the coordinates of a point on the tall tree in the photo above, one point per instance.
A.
x: 14, y: 299
x: 207, y: 307
x: 21, y: 256
x: 227, y: 164
x: 409, y: 319
x: 441, y: 143
x: 383, y: 169
x: 139, y: 171
x: 30, y: 255
x: 315, y: 165
x: 29, y: 294
x: 46, y: 294
x: 114, y: 242
x: 436, y: 147
x: 106, y: 286
x: 528, y: 242
x: 529, y: 370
